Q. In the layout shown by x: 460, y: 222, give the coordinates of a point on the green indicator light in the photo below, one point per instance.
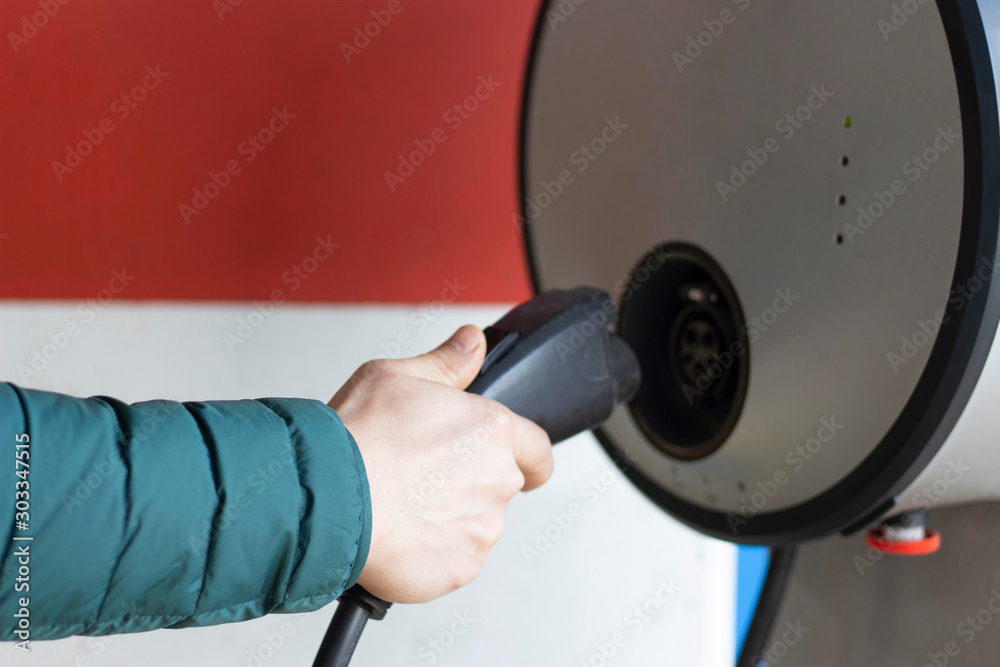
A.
x: 847, y: 121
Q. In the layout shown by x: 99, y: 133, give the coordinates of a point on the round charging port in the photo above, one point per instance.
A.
x: 682, y: 318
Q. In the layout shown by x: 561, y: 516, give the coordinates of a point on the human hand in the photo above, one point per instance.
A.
x: 442, y: 466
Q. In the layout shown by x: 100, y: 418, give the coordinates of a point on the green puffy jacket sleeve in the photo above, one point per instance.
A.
x: 165, y: 514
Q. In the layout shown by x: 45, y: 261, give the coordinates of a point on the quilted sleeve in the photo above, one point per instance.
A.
x: 166, y: 514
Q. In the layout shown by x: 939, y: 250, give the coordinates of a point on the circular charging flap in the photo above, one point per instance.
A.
x: 795, y: 208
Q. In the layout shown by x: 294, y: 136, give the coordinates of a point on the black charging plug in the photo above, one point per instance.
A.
x: 552, y: 360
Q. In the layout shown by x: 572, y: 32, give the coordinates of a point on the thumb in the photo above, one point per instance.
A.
x: 455, y: 362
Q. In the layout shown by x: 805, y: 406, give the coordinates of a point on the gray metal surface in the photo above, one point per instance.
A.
x: 825, y: 359
x: 862, y: 608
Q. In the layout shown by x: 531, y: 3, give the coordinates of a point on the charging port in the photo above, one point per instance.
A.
x: 684, y: 322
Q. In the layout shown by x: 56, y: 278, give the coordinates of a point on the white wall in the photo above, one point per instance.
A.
x: 556, y: 609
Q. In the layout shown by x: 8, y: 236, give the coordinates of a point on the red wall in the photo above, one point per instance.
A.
x: 321, y: 176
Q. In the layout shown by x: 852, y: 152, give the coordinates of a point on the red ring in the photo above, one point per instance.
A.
x: 930, y: 543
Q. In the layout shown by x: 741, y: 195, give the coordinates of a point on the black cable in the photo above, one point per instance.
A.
x: 355, y: 608
x: 779, y: 570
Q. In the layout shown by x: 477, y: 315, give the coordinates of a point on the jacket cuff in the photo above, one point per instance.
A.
x: 337, y: 518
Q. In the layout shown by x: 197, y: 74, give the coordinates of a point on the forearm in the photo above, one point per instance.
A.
x: 168, y: 514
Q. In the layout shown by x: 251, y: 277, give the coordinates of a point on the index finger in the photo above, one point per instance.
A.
x: 532, y: 452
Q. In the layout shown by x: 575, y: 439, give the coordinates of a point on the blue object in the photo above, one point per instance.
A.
x: 750, y: 571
